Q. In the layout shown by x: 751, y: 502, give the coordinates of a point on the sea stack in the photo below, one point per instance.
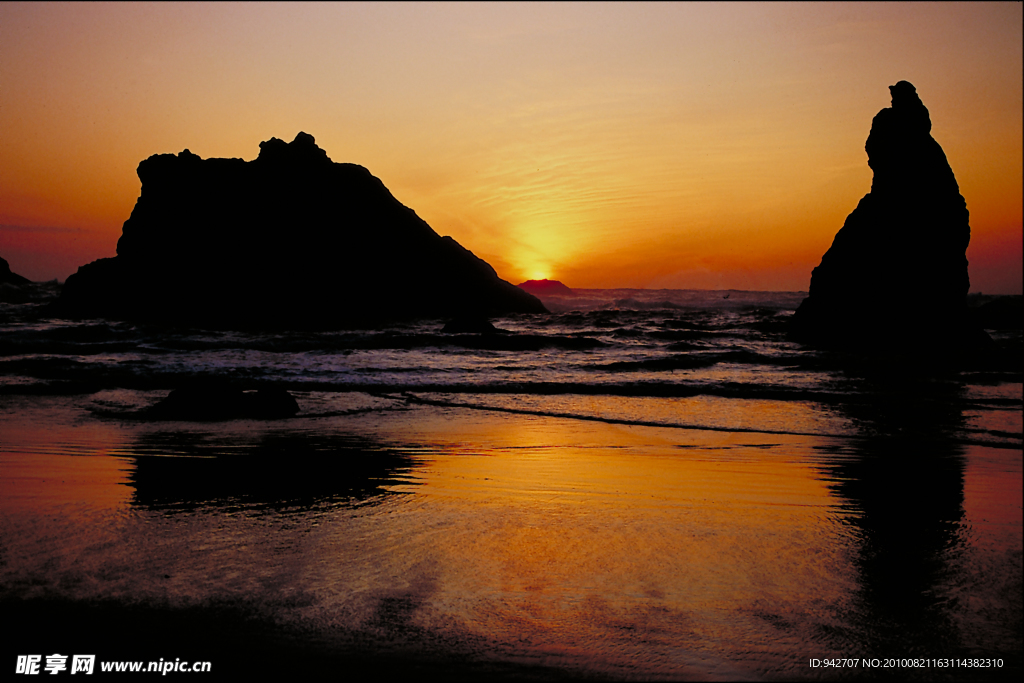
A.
x: 895, y: 278
x: 288, y: 240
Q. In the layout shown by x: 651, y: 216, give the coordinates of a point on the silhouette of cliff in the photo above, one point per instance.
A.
x: 7, y: 277
x: 290, y: 239
x: 895, y: 277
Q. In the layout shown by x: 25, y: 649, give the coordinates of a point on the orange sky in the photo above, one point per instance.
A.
x: 606, y: 145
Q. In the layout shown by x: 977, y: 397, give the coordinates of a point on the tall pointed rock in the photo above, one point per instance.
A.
x: 895, y: 277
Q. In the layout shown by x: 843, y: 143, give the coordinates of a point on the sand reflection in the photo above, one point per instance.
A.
x: 922, y: 504
x: 432, y: 533
x: 566, y: 543
x: 282, y: 468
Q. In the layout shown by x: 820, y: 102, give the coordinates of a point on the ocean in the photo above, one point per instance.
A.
x: 641, y: 485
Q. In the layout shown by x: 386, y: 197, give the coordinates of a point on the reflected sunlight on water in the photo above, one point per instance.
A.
x: 634, y: 552
x: 619, y: 550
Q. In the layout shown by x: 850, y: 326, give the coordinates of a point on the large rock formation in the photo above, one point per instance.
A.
x: 895, y: 277
x: 9, y: 278
x: 290, y: 239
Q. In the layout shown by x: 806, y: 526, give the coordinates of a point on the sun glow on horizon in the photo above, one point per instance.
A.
x: 675, y: 145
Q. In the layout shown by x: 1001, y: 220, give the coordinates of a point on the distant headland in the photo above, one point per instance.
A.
x: 290, y: 239
x: 544, y: 287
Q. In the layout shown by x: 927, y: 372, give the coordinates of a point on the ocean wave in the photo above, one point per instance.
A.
x: 632, y: 348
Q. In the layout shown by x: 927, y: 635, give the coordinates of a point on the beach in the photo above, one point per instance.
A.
x: 461, y: 542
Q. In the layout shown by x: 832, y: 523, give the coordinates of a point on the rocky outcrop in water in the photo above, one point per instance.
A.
x: 213, y: 401
x: 1000, y: 313
x: 896, y: 277
x: 470, y: 326
x: 290, y: 239
x: 9, y: 278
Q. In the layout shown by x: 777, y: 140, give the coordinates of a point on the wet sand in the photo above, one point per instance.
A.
x: 466, y: 543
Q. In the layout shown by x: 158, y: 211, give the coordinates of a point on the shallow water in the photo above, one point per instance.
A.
x: 614, y: 550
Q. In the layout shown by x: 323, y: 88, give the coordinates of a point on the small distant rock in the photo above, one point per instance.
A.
x: 544, y: 288
x: 214, y: 403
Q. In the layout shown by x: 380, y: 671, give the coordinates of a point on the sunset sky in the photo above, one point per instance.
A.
x: 605, y: 145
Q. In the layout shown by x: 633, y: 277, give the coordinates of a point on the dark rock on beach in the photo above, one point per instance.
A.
x: 9, y: 278
x: 290, y: 239
x: 895, y: 278
x: 211, y: 402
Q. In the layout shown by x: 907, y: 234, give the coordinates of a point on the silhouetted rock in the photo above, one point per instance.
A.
x: 1001, y: 313
x: 544, y: 287
x: 470, y: 326
x: 895, y: 278
x: 209, y: 402
x: 7, y: 277
x: 290, y: 239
